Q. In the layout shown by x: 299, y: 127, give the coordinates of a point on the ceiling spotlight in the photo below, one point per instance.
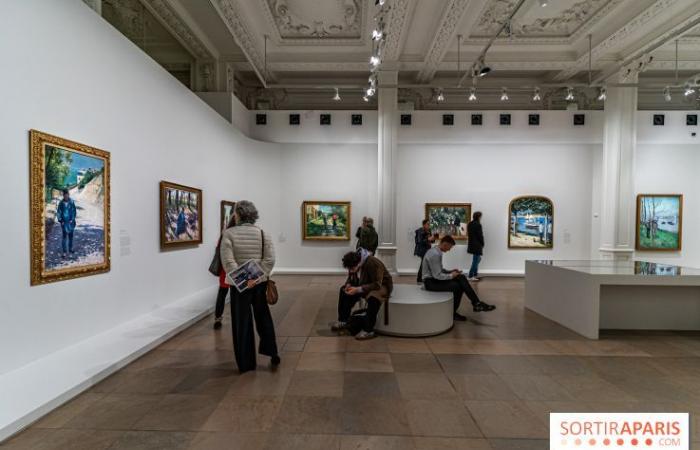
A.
x: 481, y: 69
x: 370, y: 91
x: 440, y: 96
x: 377, y: 34
x: 602, y: 94
x: 504, y: 95
x: 472, y: 94
x: 536, y: 95
x: 544, y: 3
x: 689, y: 90
x: 379, y: 2
x: 336, y: 97
x: 570, y: 94
x: 373, y: 80
x: 667, y: 94
x: 374, y: 60
x: 365, y: 98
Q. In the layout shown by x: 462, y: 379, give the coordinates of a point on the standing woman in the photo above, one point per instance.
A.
x: 475, y: 245
x: 223, y: 286
x: 239, y: 244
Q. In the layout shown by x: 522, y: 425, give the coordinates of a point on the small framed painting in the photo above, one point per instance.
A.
x: 325, y: 221
x: 531, y: 223
x: 449, y: 218
x: 69, y: 201
x: 659, y: 222
x: 180, y: 215
x: 226, y: 213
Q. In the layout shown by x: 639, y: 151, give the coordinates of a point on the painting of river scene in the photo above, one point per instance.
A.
x: 70, y: 209
x: 531, y: 223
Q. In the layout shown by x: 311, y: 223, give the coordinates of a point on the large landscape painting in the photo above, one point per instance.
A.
x: 449, y: 218
x: 70, y: 209
x: 325, y: 220
x: 531, y: 223
x: 659, y: 222
x: 181, y: 215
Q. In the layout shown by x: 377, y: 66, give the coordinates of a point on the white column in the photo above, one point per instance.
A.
x: 387, y: 159
x: 619, y: 146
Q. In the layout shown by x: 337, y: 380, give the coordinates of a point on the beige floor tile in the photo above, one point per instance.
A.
x: 433, y: 443
x: 244, y: 415
x: 446, y: 418
x: 376, y: 443
x: 368, y: 362
x: 374, y: 416
x: 228, y: 441
x: 376, y: 345
x: 425, y: 386
x: 311, y: 415
x: 403, y: 345
x: 51, y: 439
x: 316, y: 384
x: 178, y: 412
x: 59, y: 417
x: 114, y: 412
x: 326, y: 344
x: 537, y: 388
x: 472, y: 346
x: 321, y: 361
x: 260, y: 383
x: 370, y: 385
x: 302, y: 442
x: 502, y: 419
x: 415, y: 362
x: 481, y: 387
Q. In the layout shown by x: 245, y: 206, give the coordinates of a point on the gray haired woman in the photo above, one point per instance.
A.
x: 239, y: 244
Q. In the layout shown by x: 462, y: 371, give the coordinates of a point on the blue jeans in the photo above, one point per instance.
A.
x: 67, y: 240
x: 474, y: 270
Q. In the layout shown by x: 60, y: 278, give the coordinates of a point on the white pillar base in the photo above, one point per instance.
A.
x: 616, y: 254
x: 387, y: 254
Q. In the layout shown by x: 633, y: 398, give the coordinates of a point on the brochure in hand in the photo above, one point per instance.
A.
x: 249, y: 270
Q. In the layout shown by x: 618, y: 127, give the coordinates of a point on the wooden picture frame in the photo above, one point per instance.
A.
x: 224, y: 215
x: 166, y: 216
x: 639, y: 244
x: 309, y: 229
x: 55, y: 164
x: 548, y: 226
x: 461, y: 234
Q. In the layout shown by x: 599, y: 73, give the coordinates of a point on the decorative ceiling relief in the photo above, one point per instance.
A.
x: 311, y: 19
x: 562, y: 20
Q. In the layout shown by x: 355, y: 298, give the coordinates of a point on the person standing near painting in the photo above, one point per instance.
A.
x: 369, y: 239
x: 66, y: 213
x: 240, y: 244
x: 475, y: 245
x: 223, y: 286
x: 424, y: 241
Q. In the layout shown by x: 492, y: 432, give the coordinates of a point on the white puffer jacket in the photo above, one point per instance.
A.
x: 244, y: 242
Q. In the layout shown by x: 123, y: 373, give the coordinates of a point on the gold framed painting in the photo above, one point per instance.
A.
x: 449, y: 218
x: 531, y: 223
x: 659, y: 222
x: 226, y: 213
x: 325, y: 221
x: 70, y: 205
x: 180, y: 215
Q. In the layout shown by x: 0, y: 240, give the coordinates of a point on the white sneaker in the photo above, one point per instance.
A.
x: 364, y: 335
x: 474, y: 279
x: 337, y: 325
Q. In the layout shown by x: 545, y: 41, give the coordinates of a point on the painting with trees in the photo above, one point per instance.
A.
x: 531, y: 223
x: 449, y: 218
x: 181, y: 215
x: 659, y: 222
x: 227, y: 208
x: 69, y: 190
x: 325, y: 220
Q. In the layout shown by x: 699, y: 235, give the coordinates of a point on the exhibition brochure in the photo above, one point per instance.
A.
x: 249, y: 270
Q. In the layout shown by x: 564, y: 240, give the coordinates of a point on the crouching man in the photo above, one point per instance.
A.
x: 367, y: 279
x: 437, y: 278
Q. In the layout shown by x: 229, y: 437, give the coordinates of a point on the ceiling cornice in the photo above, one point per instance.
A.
x: 179, y: 29
x: 399, y: 21
x: 446, y: 30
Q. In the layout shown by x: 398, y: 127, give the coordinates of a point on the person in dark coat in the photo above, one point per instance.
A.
x: 475, y: 245
x: 369, y: 239
x: 423, y: 241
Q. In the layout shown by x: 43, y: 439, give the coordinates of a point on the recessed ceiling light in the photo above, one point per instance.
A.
x: 336, y: 97
x: 536, y: 95
x: 472, y: 94
x: 504, y: 95
x: 440, y: 96
x: 602, y: 94
x: 667, y: 94
x: 544, y: 3
x: 689, y: 90
x: 570, y: 94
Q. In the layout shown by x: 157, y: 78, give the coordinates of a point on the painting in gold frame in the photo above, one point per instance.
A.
x: 659, y: 226
x: 70, y: 209
x: 326, y: 221
x: 226, y: 212
x: 449, y: 218
x: 180, y: 215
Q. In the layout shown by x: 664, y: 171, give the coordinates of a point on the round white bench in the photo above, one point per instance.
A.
x: 415, y: 312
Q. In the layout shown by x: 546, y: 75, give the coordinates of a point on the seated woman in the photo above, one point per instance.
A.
x: 368, y: 278
x: 437, y: 278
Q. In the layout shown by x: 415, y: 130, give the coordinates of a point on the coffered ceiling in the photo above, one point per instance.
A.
x: 291, y: 54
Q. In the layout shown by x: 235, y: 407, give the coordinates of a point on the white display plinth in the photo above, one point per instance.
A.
x: 414, y: 312
x: 587, y: 296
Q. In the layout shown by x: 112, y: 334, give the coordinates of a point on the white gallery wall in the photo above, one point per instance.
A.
x: 75, y: 76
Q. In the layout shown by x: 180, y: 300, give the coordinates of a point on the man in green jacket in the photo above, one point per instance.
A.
x: 369, y: 239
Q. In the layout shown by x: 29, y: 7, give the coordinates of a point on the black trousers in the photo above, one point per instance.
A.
x: 244, y: 306
x: 457, y: 286
x: 220, y: 302
x: 419, y: 277
x: 346, y: 303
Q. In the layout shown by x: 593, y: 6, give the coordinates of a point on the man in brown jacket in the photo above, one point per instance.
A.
x: 368, y: 279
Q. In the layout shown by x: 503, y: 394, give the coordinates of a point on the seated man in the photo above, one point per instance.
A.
x: 437, y: 278
x: 368, y: 279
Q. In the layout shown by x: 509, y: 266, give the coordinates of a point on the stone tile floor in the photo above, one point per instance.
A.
x: 489, y: 383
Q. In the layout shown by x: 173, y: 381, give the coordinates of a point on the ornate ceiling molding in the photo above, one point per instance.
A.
x: 178, y: 28
x: 290, y: 22
x: 399, y: 20
x: 616, y: 39
x: 454, y: 11
x: 231, y: 13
